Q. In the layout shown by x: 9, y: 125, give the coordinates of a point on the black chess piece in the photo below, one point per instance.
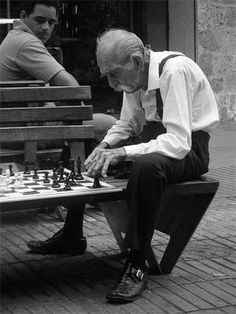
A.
x: 61, y: 172
x: 11, y: 171
x: 26, y: 171
x: 72, y: 165
x: 72, y: 179
x: 35, y: 176
x: 54, y: 173
x: 96, y: 183
x: 0, y: 171
x: 55, y: 183
x: 78, y: 175
x: 46, y: 179
x: 67, y: 186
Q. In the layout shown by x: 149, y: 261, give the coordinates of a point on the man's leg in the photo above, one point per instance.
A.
x: 148, y: 181
x: 68, y: 240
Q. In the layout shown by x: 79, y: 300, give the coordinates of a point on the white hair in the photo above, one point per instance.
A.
x: 119, y: 45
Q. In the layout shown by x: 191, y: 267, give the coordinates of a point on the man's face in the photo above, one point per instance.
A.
x: 121, y: 77
x: 41, y: 21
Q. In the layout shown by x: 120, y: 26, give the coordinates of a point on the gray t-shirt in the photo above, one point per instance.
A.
x: 23, y: 57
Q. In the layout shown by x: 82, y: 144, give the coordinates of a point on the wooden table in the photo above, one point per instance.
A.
x: 35, y: 194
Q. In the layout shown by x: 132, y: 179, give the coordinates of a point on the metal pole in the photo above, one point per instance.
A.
x: 8, y: 14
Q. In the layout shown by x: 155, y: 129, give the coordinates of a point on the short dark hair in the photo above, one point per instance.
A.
x: 29, y: 5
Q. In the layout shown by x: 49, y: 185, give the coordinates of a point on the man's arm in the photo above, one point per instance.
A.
x: 63, y: 78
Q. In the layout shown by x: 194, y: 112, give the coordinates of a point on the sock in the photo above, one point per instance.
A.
x: 74, y: 222
x: 137, y: 258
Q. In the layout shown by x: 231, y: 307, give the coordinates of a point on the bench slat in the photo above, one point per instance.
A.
x: 33, y: 114
x: 22, y: 83
x: 42, y: 94
x: 44, y: 133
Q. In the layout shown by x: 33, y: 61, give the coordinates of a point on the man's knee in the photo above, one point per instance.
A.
x: 149, y: 164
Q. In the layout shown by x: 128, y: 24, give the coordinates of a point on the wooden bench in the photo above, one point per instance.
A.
x: 14, y: 110
x: 182, y: 207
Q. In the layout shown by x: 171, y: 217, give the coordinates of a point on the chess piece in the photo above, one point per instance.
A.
x: 78, y: 175
x: 55, y: 183
x: 26, y: 171
x: 11, y: 171
x: 61, y: 171
x: 96, y: 183
x: 0, y: 171
x: 72, y: 179
x: 72, y: 165
x: 35, y: 176
x: 67, y: 186
x: 54, y: 173
x: 46, y: 179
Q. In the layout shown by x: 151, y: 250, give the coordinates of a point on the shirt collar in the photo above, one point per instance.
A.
x: 153, y: 74
x: 19, y: 25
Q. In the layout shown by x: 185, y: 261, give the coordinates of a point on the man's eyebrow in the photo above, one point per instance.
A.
x: 39, y: 17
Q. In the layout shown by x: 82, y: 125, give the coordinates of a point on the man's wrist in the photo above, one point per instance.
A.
x: 103, y: 145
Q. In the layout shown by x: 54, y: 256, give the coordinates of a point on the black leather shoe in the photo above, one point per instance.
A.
x: 59, y: 244
x: 130, y: 286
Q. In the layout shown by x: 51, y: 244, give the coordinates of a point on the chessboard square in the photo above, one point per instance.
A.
x: 31, y: 183
x: 83, y: 181
x: 8, y: 191
x: 31, y: 192
x: 38, y: 188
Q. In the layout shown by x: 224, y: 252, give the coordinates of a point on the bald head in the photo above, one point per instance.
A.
x: 116, y: 46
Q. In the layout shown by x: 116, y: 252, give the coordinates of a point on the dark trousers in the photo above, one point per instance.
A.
x: 148, y: 181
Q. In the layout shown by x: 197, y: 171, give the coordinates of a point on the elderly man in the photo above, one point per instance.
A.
x: 23, y: 56
x: 158, y: 87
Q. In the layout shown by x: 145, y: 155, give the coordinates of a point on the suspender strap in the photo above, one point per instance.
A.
x: 159, y: 101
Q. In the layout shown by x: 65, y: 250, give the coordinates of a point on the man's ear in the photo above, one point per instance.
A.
x: 23, y: 15
x: 137, y: 61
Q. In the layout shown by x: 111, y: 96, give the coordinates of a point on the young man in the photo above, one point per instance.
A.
x: 160, y: 89
x: 23, y: 56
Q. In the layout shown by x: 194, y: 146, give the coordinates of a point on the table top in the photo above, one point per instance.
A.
x: 23, y: 190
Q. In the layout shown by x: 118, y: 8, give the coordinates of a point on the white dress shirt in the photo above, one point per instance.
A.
x: 188, y: 105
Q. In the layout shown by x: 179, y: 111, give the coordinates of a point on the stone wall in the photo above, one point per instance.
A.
x: 216, y: 51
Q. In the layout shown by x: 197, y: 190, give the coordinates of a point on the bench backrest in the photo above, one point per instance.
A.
x: 24, y: 118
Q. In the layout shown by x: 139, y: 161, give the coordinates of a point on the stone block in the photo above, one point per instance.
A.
x: 227, y: 37
x: 231, y: 16
x: 209, y: 40
x: 217, y: 84
x: 205, y: 62
x: 230, y: 82
x: 222, y: 64
x: 211, y: 16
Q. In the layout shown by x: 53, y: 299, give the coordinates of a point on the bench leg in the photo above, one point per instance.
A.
x: 155, y: 268
x: 181, y: 236
x: 116, y: 213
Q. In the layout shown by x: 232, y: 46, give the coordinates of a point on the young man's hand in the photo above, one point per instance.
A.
x: 100, y: 159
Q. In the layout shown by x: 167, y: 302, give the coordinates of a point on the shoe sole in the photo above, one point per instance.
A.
x: 35, y: 251
x: 117, y: 299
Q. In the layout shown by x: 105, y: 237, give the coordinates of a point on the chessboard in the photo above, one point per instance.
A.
x: 23, y: 187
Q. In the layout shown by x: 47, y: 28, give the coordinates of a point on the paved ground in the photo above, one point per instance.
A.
x: 203, y: 280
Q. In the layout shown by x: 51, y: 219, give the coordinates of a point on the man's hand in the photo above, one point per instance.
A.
x: 100, y: 159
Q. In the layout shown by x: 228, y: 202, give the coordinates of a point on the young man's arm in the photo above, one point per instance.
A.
x: 63, y: 78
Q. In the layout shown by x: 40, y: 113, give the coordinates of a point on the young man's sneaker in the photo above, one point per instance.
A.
x: 59, y: 244
x: 130, y: 286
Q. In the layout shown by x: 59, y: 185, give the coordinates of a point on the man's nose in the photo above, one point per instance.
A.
x: 45, y: 25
